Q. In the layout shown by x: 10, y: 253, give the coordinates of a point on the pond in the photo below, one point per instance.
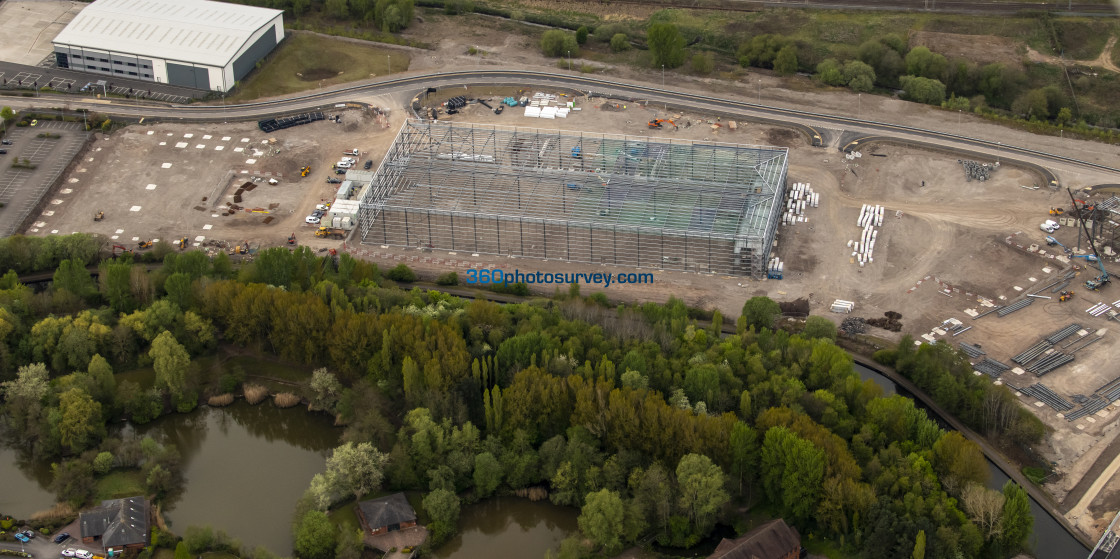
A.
x: 25, y: 484
x: 244, y: 468
x: 509, y: 527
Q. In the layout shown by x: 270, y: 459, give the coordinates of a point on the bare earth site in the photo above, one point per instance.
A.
x: 948, y: 248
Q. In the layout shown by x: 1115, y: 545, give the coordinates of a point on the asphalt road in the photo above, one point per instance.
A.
x: 43, y: 547
x: 818, y: 124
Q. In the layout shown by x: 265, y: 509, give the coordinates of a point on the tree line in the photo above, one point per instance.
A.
x: 653, y: 426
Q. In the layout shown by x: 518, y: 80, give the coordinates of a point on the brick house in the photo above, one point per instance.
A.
x: 117, y: 525
x: 773, y: 540
x: 386, y: 514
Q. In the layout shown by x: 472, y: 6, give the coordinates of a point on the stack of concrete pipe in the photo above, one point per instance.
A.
x: 870, y: 217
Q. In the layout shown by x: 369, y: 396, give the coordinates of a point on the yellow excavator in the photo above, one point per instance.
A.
x: 304, y: 171
x: 1057, y: 211
x: 145, y: 244
x: 99, y: 216
x: 181, y: 243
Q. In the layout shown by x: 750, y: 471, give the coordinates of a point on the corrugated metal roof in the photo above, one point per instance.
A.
x: 196, y: 31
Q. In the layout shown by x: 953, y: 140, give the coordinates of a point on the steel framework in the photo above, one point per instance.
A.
x: 646, y: 202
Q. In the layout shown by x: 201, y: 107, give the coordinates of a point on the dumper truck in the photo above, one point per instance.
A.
x: 331, y: 233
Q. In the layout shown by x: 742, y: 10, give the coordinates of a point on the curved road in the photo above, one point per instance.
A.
x: 810, y: 122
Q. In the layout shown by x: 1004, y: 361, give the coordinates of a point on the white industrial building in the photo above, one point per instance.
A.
x: 190, y: 43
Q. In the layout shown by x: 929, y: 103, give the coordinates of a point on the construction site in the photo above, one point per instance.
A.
x: 598, y: 198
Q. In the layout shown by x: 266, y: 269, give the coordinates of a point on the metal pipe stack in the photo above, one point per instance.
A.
x: 870, y: 217
x: 799, y: 197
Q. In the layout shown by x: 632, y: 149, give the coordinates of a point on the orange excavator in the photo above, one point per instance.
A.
x: 660, y: 122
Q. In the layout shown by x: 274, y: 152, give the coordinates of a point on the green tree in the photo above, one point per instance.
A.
x: 443, y: 510
x: 581, y: 35
x: 103, y: 463
x: 487, y: 474
x: 7, y: 113
x: 921, y: 62
x: 786, y: 60
x: 1032, y: 104
x: 81, y: 421
x: 819, y: 327
x: 601, y: 520
x: 73, y: 482
x: 744, y: 453
x: 923, y: 90
x: 337, y: 9
x: 73, y: 276
x: 316, y: 536
x: 24, y: 396
x: 859, y: 76
x: 760, y: 312
x: 401, y: 273
x: 1064, y: 116
x: 557, y: 43
x: 830, y: 72
x: 620, y: 42
x: 181, y: 551
x: 171, y: 363
x: 1017, y: 519
x: 702, y: 494
x: 666, y: 44
x: 919, y: 546
x: 179, y: 290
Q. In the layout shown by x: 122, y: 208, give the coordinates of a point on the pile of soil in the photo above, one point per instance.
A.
x: 889, y: 322
x: 799, y: 307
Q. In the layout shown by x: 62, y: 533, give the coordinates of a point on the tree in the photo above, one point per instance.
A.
x: 557, y: 43
x: 171, y: 363
x: 786, y: 60
x: 1064, y: 116
x: 702, y: 494
x: 581, y: 35
x: 443, y: 510
x: 921, y: 62
x: 316, y: 536
x: 357, y: 468
x: 179, y: 291
x: 620, y: 42
x: 103, y: 463
x: 859, y: 76
x: 81, y: 421
x: 337, y: 9
x: 923, y: 90
x: 487, y: 474
x: 819, y: 327
x: 985, y: 508
x: 326, y: 388
x: 959, y: 462
x: 24, y: 396
x: 761, y: 312
x: 7, y: 113
x: 601, y: 520
x: 919, y: 546
x: 666, y: 44
x: 744, y: 453
x: 181, y: 551
x: 829, y: 72
x: 1017, y: 519
x: 1032, y: 104
x: 73, y: 482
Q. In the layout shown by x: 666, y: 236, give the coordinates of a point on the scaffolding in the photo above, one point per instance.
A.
x: 597, y: 198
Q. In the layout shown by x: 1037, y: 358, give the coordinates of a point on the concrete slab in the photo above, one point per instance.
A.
x: 31, y: 25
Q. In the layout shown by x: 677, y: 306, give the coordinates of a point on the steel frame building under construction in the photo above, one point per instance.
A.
x: 647, y: 202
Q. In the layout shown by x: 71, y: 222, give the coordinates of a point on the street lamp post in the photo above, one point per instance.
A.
x: 959, y: 113
x: 759, y: 92
x: 859, y: 105
x: 999, y: 149
x: 662, y: 76
x: 389, y: 63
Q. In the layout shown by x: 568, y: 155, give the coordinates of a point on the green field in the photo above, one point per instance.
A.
x: 307, y: 61
x: 118, y: 484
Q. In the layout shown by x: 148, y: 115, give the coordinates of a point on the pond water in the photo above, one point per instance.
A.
x: 24, y: 485
x: 509, y: 527
x: 244, y: 468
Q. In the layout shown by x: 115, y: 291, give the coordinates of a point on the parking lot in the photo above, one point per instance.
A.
x: 44, y: 547
x: 21, y: 189
x: 168, y: 181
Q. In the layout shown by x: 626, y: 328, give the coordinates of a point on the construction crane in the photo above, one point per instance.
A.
x: 1099, y: 281
x: 659, y: 123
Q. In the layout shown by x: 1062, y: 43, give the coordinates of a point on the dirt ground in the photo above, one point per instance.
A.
x: 186, y: 175
x: 981, y: 49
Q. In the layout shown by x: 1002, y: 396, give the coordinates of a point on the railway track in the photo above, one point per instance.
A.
x: 942, y: 6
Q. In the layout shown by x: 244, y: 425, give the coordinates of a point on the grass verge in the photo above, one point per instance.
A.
x: 307, y: 61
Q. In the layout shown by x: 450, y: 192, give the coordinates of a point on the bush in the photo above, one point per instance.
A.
x: 581, y: 35
x: 220, y: 400
x: 103, y: 463
x: 558, y: 43
x: 401, y: 273
x: 285, y: 400
x: 620, y: 42
x: 255, y: 393
x: 666, y: 44
x: 1035, y: 474
x: 450, y: 278
x: 702, y: 63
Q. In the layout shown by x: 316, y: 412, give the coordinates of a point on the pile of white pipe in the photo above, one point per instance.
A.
x: 798, y: 197
x: 775, y: 266
x: 1098, y: 309
x: 870, y: 217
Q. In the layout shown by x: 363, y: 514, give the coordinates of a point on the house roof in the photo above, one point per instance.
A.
x: 772, y: 540
x: 393, y: 509
x: 198, y: 31
x: 118, y: 522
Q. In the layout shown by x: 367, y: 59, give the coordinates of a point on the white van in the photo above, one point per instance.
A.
x: 1049, y: 226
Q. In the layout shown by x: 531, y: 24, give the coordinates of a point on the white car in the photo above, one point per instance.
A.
x: 68, y: 552
x: 343, y: 165
x: 350, y: 160
x: 83, y: 554
x: 312, y: 220
x: 323, y: 207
